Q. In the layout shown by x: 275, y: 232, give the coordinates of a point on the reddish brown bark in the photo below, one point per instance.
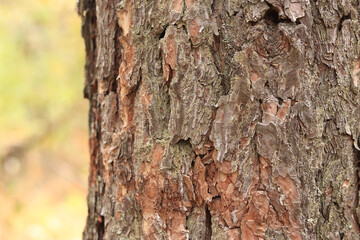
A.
x: 223, y: 119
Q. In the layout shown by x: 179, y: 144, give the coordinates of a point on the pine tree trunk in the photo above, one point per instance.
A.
x: 223, y: 119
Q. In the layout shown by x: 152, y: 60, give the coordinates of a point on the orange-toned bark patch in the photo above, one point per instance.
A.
x: 253, y: 224
x: 94, y: 148
x: 124, y: 17
x: 291, y: 197
x: 254, y: 76
x: 146, y: 98
x: 233, y: 234
x: 177, y: 5
x: 176, y: 226
x: 162, y: 205
x: 127, y: 110
x: 283, y: 111
x: 194, y: 30
x: 225, y: 166
x: 201, y: 186
x: 265, y: 170
x: 270, y: 107
x: 289, y: 189
x: 150, y: 195
x: 189, y: 3
x: 126, y: 66
x: 170, y: 58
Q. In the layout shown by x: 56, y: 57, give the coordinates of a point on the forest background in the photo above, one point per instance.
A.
x: 43, y: 121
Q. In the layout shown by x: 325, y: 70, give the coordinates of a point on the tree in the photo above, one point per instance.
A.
x: 223, y: 119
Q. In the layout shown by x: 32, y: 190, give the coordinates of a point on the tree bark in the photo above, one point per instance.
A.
x: 223, y: 119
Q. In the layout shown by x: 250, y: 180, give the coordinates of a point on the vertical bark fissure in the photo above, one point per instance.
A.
x: 208, y: 230
x: 117, y: 58
x: 100, y: 228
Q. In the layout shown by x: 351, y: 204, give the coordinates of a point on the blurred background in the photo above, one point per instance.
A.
x: 43, y: 121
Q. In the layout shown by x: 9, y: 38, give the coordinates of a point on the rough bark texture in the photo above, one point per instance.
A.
x: 223, y: 119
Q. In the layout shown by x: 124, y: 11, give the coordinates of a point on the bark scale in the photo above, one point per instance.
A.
x: 223, y: 119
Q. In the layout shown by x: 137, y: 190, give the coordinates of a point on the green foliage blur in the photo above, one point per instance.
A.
x: 43, y: 121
